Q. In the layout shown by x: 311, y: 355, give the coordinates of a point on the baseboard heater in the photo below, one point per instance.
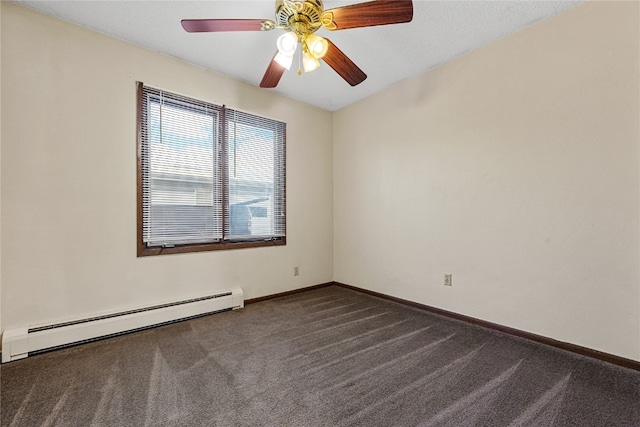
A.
x: 18, y: 343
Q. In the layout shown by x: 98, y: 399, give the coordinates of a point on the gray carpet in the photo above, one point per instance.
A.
x: 326, y: 357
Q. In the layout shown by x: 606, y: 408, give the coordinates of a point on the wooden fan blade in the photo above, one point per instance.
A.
x: 380, y: 12
x: 273, y: 74
x: 342, y: 65
x: 215, y: 25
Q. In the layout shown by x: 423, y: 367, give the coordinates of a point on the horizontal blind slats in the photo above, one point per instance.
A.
x: 255, y: 186
x: 184, y: 174
x: 179, y: 158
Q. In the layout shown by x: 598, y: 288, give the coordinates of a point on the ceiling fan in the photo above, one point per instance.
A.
x: 301, y: 19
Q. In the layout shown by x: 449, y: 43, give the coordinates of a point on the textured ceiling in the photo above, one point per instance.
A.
x: 439, y: 32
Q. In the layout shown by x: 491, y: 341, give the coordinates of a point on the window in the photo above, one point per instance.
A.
x: 209, y: 177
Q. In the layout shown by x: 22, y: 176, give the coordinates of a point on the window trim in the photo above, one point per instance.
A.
x: 223, y: 244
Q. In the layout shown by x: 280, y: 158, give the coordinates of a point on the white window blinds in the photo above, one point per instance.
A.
x: 256, y: 179
x: 209, y: 174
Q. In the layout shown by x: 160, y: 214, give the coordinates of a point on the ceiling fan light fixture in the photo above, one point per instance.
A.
x: 317, y: 45
x: 301, y: 19
x: 284, y: 60
x: 287, y: 44
x: 309, y: 62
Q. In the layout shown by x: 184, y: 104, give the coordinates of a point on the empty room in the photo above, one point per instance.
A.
x: 320, y: 213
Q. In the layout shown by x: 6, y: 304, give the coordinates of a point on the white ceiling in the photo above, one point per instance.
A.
x: 439, y: 32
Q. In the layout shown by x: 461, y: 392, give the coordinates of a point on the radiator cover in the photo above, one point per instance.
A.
x: 17, y: 343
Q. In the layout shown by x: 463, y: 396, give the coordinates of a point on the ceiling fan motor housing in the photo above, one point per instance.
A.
x: 301, y: 17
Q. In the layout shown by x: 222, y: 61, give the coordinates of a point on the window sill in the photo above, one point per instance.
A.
x: 181, y: 249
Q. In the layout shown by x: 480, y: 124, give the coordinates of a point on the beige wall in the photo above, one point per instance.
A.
x: 516, y: 169
x: 69, y: 179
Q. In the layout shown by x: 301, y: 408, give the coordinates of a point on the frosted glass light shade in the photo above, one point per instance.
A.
x: 284, y: 60
x: 309, y: 62
x: 287, y: 43
x: 317, y: 46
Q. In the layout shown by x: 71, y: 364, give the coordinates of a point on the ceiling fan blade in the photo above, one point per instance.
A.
x: 215, y: 25
x: 273, y: 74
x: 342, y: 65
x: 380, y: 12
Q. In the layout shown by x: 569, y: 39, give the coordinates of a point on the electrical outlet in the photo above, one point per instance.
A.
x: 296, y: 271
x: 447, y: 279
